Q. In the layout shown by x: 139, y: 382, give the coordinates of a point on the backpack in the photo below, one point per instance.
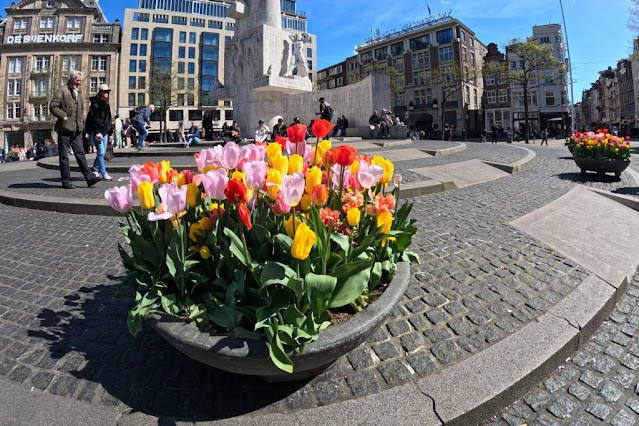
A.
x: 328, y: 112
x: 135, y: 111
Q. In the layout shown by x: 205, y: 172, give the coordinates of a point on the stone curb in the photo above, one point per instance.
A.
x: 459, y: 147
x: 626, y: 200
x: 518, y: 166
x: 393, y: 143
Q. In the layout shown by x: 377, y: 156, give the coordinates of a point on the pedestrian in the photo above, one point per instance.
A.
x: 325, y: 112
x: 262, y: 132
x: 344, y: 125
x: 373, y: 122
x: 117, y: 132
x: 67, y: 106
x: 207, y: 125
x: 386, y: 121
x: 141, y: 121
x: 127, y: 130
x: 180, y: 132
x: 483, y: 135
x: 193, y: 136
x: 279, y: 129
x: 493, y: 130
x: 464, y: 135
x: 100, y: 127
x: 544, y: 136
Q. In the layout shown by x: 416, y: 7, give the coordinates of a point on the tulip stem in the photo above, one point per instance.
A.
x: 247, y: 255
x: 293, y: 219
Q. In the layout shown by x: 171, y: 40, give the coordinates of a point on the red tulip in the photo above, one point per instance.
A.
x: 345, y: 155
x: 296, y: 133
x: 321, y: 128
x: 281, y: 141
x: 236, y: 192
x: 244, y: 213
x: 330, y: 158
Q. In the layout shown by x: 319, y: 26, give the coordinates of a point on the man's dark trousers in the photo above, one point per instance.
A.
x: 74, y: 140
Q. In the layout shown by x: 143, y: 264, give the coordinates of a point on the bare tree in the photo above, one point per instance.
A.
x: 537, y: 65
x: 633, y: 16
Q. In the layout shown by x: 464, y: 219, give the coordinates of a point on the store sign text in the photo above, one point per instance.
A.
x: 45, y: 38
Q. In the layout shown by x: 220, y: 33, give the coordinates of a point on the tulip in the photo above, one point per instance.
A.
x: 215, y: 183
x: 145, y: 194
x: 321, y: 128
x: 353, y: 216
x: 253, y: 152
x: 330, y: 158
x: 303, y: 241
x: 385, y: 220
x: 236, y: 192
x: 280, y: 207
x: 369, y: 175
x: 296, y: 133
x: 398, y: 179
x: 281, y: 163
x: 273, y: 179
x: 388, y: 168
x: 185, y: 177
x: 295, y: 164
x: 151, y: 170
x: 292, y: 188
x: 255, y: 174
x: 165, y: 170
x: 345, y: 155
x: 173, y: 198
x: 244, y: 215
x: 192, y: 192
x: 119, y: 198
x: 313, y: 177
x: 230, y: 156
x: 305, y: 202
x: 320, y: 149
x: 281, y: 141
x: 273, y: 150
x: 288, y: 225
x: 319, y: 195
x: 239, y: 175
x: 205, y: 252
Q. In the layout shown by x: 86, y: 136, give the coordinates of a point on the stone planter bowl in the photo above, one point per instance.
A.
x: 601, y: 166
x: 251, y: 356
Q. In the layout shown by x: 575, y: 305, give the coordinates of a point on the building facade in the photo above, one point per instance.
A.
x: 411, y: 55
x: 189, y: 38
x: 496, y: 99
x: 40, y: 42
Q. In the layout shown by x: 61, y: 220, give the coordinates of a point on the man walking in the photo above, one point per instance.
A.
x: 141, y: 121
x: 67, y: 105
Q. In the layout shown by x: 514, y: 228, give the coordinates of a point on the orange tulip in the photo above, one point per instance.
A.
x: 321, y: 128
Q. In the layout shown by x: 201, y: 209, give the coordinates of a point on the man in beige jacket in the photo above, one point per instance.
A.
x: 68, y: 107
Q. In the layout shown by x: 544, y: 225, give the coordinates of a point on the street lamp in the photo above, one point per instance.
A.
x: 435, y: 104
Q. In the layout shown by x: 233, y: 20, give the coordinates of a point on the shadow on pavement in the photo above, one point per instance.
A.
x: 145, y: 372
x: 588, y: 177
x: 627, y: 191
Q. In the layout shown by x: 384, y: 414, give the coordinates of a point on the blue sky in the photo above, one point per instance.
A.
x: 597, y: 30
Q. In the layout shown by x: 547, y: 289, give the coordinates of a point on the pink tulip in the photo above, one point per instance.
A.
x: 369, y: 175
x: 215, y: 183
x: 231, y: 156
x: 253, y: 152
x: 255, y: 173
x: 137, y: 179
x: 398, y: 179
x: 280, y: 207
x: 296, y: 148
x: 336, y: 175
x: 293, y: 188
x: 173, y: 198
x: 209, y: 157
x: 119, y: 198
x: 154, y: 217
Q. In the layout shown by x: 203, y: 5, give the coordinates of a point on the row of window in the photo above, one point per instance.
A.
x: 43, y: 63
x: 550, y: 97
x: 49, y: 22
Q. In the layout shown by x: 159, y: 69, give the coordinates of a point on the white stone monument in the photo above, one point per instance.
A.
x: 258, y: 64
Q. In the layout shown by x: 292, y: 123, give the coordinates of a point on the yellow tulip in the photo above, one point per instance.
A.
x: 320, y: 150
x: 273, y: 176
x: 305, y: 202
x: 295, y: 164
x: 239, y: 176
x: 313, y: 177
x: 385, y: 219
x: 281, y: 163
x: 145, y: 193
x: 192, y: 192
x: 303, y: 241
x: 354, y: 167
x: 181, y: 180
x: 165, y: 168
x: 353, y: 216
x: 273, y: 150
x: 194, y: 231
x: 288, y: 225
x: 205, y: 252
x: 388, y: 168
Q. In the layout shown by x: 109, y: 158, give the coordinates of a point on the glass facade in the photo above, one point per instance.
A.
x: 206, y: 8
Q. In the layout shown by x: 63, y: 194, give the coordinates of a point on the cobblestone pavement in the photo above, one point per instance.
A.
x: 480, y: 280
x: 598, y: 385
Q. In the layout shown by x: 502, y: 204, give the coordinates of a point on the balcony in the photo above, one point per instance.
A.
x: 40, y: 118
x: 40, y: 72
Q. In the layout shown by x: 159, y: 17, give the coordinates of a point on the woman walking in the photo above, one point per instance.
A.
x: 99, y: 125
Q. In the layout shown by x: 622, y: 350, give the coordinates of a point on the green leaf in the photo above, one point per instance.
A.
x: 223, y: 316
x: 169, y: 304
x: 236, y: 247
x: 276, y: 273
x: 278, y: 299
x: 343, y: 242
x: 409, y: 256
x: 376, y: 275
x: 276, y: 351
x: 320, y: 289
x: 352, y: 280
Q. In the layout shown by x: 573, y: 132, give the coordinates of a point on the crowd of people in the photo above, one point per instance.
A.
x: 380, y: 123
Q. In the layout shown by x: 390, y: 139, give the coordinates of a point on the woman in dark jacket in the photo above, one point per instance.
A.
x: 99, y: 126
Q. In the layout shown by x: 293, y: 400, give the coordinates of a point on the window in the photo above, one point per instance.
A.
x: 176, y: 115
x: 178, y: 20
x: 471, y: 42
x: 143, y: 50
x: 192, y: 38
x: 180, y: 83
x: 215, y: 24
x: 467, y: 95
x: 464, y: 54
x: 132, y: 99
x: 420, y: 97
x: 309, y: 65
x: 195, y: 115
x: 98, y: 63
x: 160, y: 19
x: 42, y: 63
x: 190, y: 83
x: 472, y: 58
x: 133, y: 65
x: 544, y: 40
x: 197, y: 22
x: 334, y: 71
x: 400, y: 99
x: 15, y: 65
x: 95, y: 82
x: 132, y: 82
x: 513, y: 65
x: 397, y: 48
x: 14, y: 87
x: 340, y: 81
x: 190, y: 99
x: 180, y: 67
x: 70, y: 62
x: 475, y: 96
x: 563, y: 98
x: 490, y: 81
x: 398, y: 63
x: 74, y: 23
x: 191, y: 67
x: 141, y: 17
x: 163, y: 35
x: 180, y: 99
x: 550, y: 98
x: 181, y: 52
x: 141, y: 99
x: 135, y: 33
x: 142, y: 66
x: 228, y: 114
x: 309, y: 52
x: 162, y: 50
x: 142, y: 82
x: 445, y: 36
x: 445, y: 54
x: 491, y: 97
x: 227, y: 103
x: 47, y: 22
x: 548, y: 77
x: 182, y: 38
x: 13, y: 110
x: 134, y: 49
x: 20, y: 23
x: 419, y: 43
x: 421, y: 59
x: 503, y: 95
x: 463, y: 35
x: 381, y: 53
x: 144, y: 34
x: 191, y: 52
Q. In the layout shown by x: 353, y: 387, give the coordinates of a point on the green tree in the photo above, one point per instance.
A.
x: 451, y: 79
x: 536, y: 64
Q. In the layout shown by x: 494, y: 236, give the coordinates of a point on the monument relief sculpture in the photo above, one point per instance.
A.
x: 297, y: 56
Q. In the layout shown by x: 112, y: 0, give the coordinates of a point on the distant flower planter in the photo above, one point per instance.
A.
x: 251, y: 356
x: 601, y: 165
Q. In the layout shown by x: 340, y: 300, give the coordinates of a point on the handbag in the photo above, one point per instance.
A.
x: 109, y: 152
